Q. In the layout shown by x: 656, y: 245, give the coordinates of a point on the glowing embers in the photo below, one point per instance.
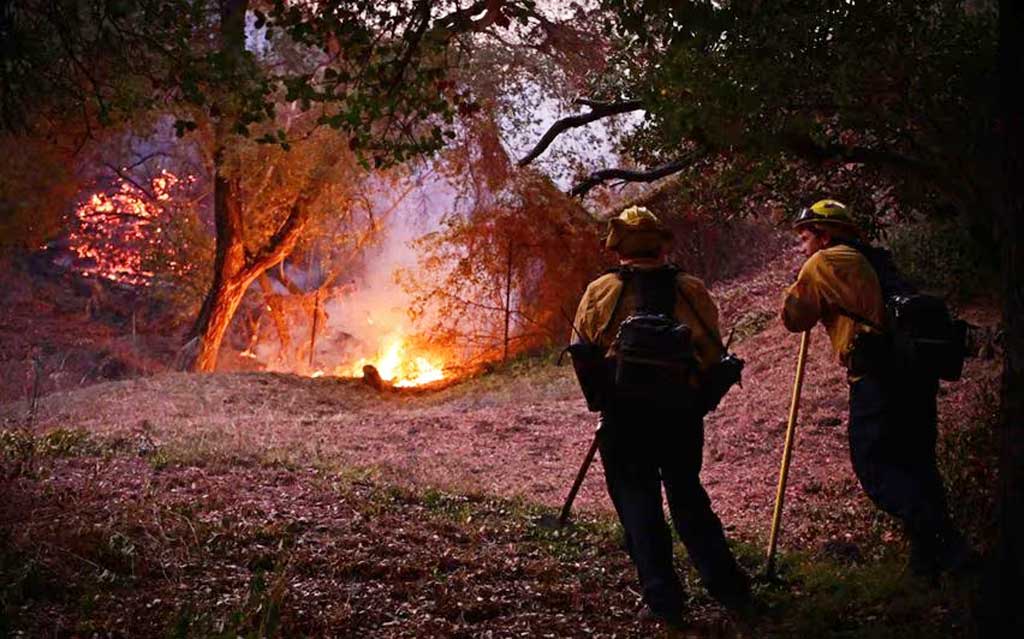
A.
x: 116, y: 234
x: 397, y: 365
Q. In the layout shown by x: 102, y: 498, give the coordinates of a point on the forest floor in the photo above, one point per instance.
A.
x: 254, y: 504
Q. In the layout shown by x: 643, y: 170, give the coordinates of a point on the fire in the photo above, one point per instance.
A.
x: 398, y: 367
x: 113, y: 232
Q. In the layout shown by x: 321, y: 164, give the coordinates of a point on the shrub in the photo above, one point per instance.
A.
x: 945, y: 257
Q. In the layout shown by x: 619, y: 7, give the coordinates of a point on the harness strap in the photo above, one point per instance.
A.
x: 715, y: 337
x: 860, y: 318
x: 618, y: 300
x: 625, y: 274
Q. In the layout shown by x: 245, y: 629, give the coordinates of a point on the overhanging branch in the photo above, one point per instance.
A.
x: 466, y: 21
x: 630, y: 175
x: 946, y: 182
x: 598, y: 110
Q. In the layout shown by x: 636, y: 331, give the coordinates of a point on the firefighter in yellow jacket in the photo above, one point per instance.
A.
x: 892, y: 424
x: 651, y: 430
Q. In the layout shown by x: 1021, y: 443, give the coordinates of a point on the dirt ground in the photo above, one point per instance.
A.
x: 259, y: 504
x: 523, y: 432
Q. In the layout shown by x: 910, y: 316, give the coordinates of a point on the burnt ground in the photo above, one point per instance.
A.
x: 256, y: 503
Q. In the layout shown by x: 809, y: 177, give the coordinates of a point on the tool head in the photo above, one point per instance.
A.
x: 549, y: 521
x: 769, y: 577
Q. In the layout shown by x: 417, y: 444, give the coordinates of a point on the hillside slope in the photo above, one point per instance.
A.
x: 523, y: 432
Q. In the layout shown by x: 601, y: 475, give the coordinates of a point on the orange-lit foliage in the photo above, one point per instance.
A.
x: 117, y: 233
x: 523, y: 258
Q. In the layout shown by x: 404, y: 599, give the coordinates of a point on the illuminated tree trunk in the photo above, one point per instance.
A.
x: 235, y: 268
x: 229, y: 283
x: 228, y: 287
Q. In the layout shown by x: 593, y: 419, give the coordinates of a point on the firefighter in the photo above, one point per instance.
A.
x: 892, y: 423
x: 655, y: 441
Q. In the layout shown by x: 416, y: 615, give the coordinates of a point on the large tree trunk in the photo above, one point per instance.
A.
x: 235, y: 269
x: 1002, y: 614
x: 229, y: 280
x: 228, y: 287
x: 1008, y: 558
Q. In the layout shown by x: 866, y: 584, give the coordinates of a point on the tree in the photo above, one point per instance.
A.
x: 329, y: 255
x: 1001, y: 611
x: 920, y: 100
x: 371, y: 89
x: 505, y: 270
x: 375, y: 72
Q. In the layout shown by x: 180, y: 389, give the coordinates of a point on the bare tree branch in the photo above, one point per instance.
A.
x: 598, y: 110
x: 465, y: 20
x: 124, y: 174
x: 629, y: 175
x: 129, y: 179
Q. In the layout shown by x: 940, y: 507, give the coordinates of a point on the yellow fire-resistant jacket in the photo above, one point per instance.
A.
x: 596, y: 324
x: 834, y: 278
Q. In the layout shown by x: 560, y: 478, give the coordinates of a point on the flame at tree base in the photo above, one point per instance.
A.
x: 395, y: 366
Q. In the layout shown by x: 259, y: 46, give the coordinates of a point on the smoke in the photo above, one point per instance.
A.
x: 368, y: 307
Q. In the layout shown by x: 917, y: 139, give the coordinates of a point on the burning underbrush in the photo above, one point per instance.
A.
x: 357, y: 335
x: 131, y: 232
x: 398, y: 365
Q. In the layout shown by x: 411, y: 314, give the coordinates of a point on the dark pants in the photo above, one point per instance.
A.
x: 641, y: 449
x: 892, y: 446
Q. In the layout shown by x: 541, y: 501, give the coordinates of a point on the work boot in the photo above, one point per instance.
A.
x: 672, y: 619
x: 733, y: 592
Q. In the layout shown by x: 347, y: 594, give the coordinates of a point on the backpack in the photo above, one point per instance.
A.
x: 654, y: 352
x: 921, y: 336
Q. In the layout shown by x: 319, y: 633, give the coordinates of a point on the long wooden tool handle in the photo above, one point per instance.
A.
x: 564, y: 516
x: 787, y: 451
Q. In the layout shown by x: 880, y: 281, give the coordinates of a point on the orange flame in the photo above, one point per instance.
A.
x: 396, y: 366
x: 114, y: 229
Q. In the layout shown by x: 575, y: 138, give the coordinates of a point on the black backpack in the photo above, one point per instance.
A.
x: 654, y: 352
x: 921, y: 337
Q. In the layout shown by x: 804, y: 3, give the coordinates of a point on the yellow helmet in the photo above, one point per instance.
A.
x: 638, y: 223
x: 829, y: 212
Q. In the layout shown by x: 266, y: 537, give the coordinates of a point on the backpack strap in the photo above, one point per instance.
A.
x: 860, y: 319
x: 715, y: 337
x: 625, y: 275
x: 889, y: 276
x: 885, y: 271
